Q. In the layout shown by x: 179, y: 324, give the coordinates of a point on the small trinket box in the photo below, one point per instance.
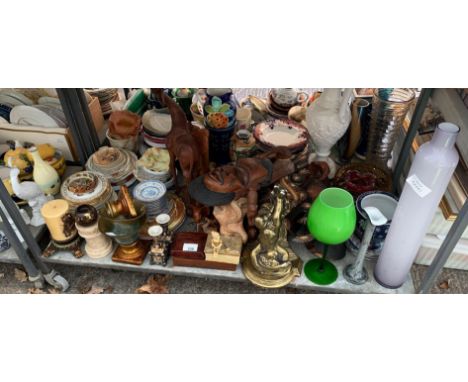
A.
x: 189, y: 245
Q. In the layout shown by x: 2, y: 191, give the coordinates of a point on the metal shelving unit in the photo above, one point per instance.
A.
x: 80, y: 123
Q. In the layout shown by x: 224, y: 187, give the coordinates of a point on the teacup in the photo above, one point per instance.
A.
x: 386, y: 203
x: 287, y: 97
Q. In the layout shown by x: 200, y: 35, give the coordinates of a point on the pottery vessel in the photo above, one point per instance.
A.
x: 327, y: 119
x: 45, y: 176
x: 287, y: 97
x: 387, y: 204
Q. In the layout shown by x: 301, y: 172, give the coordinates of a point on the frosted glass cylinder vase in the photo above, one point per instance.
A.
x: 427, y: 180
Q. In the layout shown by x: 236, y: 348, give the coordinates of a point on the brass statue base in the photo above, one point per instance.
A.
x: 268, y: 279
x: 131, y: 254
x: 271, y: 263
x: 73, y: 246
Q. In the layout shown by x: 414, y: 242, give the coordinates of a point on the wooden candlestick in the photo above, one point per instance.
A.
x: 86, y: 221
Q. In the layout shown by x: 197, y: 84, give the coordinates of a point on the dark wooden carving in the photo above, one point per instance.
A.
x: 187, y: 145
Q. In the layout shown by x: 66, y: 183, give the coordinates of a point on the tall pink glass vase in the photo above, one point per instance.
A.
x: 427, y: 180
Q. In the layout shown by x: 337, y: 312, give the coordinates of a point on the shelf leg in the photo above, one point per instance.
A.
x: 446, y: 249
x: 412, y: 130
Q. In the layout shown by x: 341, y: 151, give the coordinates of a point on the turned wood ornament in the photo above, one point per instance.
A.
x: 97, y: 244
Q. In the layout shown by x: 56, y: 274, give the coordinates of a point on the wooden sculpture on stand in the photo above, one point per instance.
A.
x: 244, y: 178
x: 187, y: 145
x: 231, y: 217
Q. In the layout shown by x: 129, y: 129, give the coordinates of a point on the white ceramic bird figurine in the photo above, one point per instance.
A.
x: 30, y: 192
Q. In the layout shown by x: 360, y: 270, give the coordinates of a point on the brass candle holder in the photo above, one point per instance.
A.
x: 124, y: 204
x: 122, y: 220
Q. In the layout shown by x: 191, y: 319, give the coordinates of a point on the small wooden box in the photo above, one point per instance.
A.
x: 196, y: 263
x: 189, y: 245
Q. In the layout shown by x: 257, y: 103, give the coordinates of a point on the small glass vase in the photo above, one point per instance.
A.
x: 389, y: 109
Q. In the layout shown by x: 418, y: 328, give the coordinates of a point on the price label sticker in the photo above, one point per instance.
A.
x: 418, y: 186
x: 190, y: 247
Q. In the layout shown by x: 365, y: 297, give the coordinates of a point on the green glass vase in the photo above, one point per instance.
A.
x: 331, y: 220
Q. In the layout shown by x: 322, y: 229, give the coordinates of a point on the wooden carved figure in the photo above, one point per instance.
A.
x: 187, y: 144
x: 231, y: 217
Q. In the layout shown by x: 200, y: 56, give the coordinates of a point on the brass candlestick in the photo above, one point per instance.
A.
x: 122, y: 221
x: 124, y: 205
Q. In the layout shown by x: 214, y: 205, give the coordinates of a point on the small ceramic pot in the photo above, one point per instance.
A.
x: 197, y: 117
x: 244, y: 118
x: 128, y: 143
x: 226, y: 96
x: 386, y: 203
x: 220, y: 145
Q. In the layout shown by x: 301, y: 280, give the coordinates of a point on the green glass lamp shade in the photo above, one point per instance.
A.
x: 332, y: 216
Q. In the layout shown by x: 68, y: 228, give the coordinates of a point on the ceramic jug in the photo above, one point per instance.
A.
x: 45, y: 176
x: 327, y: 120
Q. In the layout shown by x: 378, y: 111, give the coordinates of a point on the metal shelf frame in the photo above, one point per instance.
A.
x: 86, y: 141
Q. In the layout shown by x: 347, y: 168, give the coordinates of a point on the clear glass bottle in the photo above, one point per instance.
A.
x: 428, y: 177
x: 45, y: 176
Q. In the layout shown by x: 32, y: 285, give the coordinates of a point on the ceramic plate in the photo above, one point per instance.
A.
x: 31, y: 116
x: 281, y: 133
x: 157, y: 123
x: 149, y: 191
x: 50, y: 101
x: 9, y: 101
x: 18, y: 96
x: 54, y: 113
x: 84, y: 179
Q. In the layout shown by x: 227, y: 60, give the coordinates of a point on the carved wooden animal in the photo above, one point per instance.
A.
x: 187, y: 145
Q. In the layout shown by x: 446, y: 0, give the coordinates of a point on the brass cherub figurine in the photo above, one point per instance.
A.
x: 272, y: 263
